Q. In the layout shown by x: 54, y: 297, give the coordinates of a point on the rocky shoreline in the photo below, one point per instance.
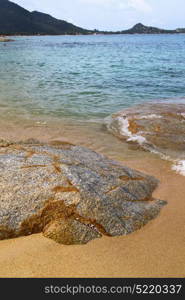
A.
x: 5, y: 39
x: 155, y: 127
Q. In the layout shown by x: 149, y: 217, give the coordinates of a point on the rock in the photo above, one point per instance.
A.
x: 4, y: 143
x: 5, y: 40
x: 69, y: 232
x: 155, y: 127
x: 70, y: 193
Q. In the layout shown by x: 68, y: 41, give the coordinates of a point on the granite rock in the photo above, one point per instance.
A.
x: 70, y: 193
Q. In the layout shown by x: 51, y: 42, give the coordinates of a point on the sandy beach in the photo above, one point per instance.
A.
x: 117, y: 90
x: 157, y: 250
x: 5, y: 39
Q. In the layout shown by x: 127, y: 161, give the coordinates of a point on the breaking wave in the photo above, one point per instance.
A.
x: 158, y: 128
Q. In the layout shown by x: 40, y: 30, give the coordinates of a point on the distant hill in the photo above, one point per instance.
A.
x: 15, y: 20
x: 180, y: 30
x: 142, y: 29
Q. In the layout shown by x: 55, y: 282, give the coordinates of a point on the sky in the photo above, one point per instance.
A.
x: 112, y: 14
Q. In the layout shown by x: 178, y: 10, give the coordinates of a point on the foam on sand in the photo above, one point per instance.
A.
x: 150, y: 116
x: 124, y: 127
x: 156, y: 127
x: 179, y: 167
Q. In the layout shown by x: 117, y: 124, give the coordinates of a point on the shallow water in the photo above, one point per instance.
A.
x: 89, y: 77
x: 156, y: 127
x: 62, y: 87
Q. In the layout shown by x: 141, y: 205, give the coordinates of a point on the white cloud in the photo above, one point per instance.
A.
x: 137, y: 5
x: 104, y: 3
x: 140, y: 5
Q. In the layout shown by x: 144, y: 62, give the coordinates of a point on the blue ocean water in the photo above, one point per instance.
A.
x: 89, y: 77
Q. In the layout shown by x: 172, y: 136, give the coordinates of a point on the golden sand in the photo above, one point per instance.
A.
x: 156, y: 250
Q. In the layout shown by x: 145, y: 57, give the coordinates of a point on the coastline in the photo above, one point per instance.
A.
x: 120, y: 93
x: 5, y: 40
x: 157, y: 250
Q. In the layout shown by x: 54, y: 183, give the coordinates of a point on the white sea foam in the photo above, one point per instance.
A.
x: 182, y: 115
x: 41, y: 123
x: 124, y: 129
x: 123, y: 126
x: 179, y: 167
x: 137, y: 138
x: 151, y: 116
x: 162, y: 155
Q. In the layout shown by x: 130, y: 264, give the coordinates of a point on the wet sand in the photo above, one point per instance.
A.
x: 156, y: 250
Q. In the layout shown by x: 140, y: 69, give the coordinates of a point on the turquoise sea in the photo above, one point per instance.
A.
x: 89, y: 77
x: 63, y: 87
